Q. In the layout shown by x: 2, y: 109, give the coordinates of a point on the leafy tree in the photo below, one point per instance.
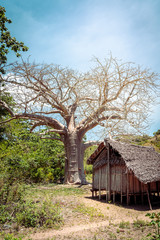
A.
x: 7, y: 41
x: 114, y: 95
x: 4, y: 114
x: 156, y: 134
x: 26, y: 157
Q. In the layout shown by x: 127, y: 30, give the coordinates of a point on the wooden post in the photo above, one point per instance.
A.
x: 109, y: 175
x: 135, y: 200
x: 92, y: 193
x: 114, y: 186
x: 150, y: 206
x: 99, y: 183
x: 121, y: 185
x: 113, y: 196
x: 93, y: 183
x: 107, y: 182
x: 157, y: 189
x: 127, y: 188
x: 142, y: 193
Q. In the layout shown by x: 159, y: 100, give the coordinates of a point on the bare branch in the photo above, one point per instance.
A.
x: 8, y: 120
x: 61, y: 132
x: 51, y: 112
x: 91, y: 143
x: 3, y: 104
x: 37, y: 124
x: 52, y: 138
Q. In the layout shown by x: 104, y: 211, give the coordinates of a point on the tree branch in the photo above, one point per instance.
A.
x: 97, y: 122
x: 42, y: 120
x: 37, y: 124
x: 3, y: 104
x: 61, y: 132
x: 52, y: 138
x: 91, y: 143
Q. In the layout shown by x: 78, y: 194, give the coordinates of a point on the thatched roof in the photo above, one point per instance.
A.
x: 143, y: 161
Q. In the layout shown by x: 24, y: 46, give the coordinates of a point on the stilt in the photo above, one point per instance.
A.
x: 150, y: 206
x: 142, y: 199
x: 99, y: 183
x: 108, y: 176
x: 106, y: 183
x: 157, y: 189
x: 135, y: 199
x: 128, y: 188
x: 135, y: 190
x: 93, y: 183
x: 121, y: 185
x: 114, y: 197
x: 92, y: 193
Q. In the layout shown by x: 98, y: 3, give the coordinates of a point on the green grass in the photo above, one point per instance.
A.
x: 53, y: 191
x: 90, y: 211
x: 124, y: 225
x: 140, y: 223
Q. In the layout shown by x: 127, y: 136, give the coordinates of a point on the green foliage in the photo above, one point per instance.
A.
x: 155, y: 220
x: 7, y: 41
x: 26, y: 157
x: 10, y: 192
x: 144, y: 140
x: 11, y: 237
x: 124, y: 224
x: 157, y: 133
x: 7, y: 98
x: 31, y: 214
x: 88, y: 168
x: 140, y: 223
x: 90, y: 211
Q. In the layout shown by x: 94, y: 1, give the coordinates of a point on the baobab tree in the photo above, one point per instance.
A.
x: 113, y: 94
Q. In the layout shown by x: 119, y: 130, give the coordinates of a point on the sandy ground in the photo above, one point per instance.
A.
x: 81, y: 226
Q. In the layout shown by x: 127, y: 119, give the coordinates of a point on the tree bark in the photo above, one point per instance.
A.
x: 72, y: 149
x: 74, y: 166
x: 81, y: 164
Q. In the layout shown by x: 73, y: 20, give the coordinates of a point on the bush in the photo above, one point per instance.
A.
x: 31, y: 214
x: 11, y: 237
x: 10, y: 191
x: 155, y: 221
x: 34, y: 215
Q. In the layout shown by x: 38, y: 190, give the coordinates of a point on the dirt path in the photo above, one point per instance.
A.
x: 80, y: 227
x: 68, y: 230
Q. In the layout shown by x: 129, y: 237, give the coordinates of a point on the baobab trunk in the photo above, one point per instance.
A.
x: 81, y: 164
x: 73, y: 148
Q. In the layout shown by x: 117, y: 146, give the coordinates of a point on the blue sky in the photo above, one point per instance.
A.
x: 71, y: 32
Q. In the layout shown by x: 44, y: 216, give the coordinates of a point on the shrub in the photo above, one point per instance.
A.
x: 31, y: 214
x: 11, y: 237
x: 124, y: 224
x: 139, y: 223
x: 11, y: 192
x: 155, y: 220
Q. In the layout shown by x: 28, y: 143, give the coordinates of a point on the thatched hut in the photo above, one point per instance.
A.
x: 125, y: 169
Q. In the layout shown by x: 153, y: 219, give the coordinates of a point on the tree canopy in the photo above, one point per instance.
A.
x: 114, y: 94
x: 7, y: 41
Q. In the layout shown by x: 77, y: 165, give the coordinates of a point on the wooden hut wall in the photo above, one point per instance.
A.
x: 99, y: 164
x: 134, y: 183
x: 119, y: 178
x: 95, y: 179
x: 154, y: 187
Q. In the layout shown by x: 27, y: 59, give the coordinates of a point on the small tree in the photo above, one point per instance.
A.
x: 7, y: 41
x: 156, y: 134
x: 113, y: 94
